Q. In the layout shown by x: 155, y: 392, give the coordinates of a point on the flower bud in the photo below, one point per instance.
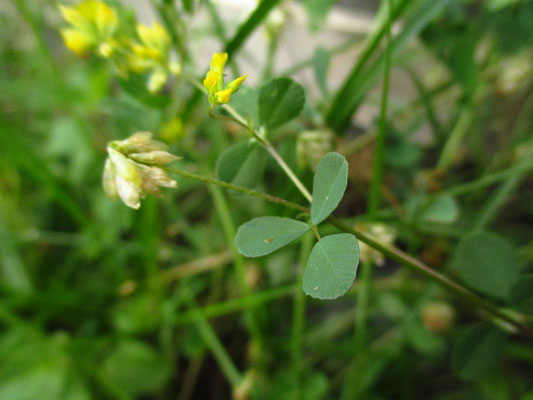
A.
x: 223, y: 96
x: 438, y: 316
x: 154, y: 157
x: 234, y: 85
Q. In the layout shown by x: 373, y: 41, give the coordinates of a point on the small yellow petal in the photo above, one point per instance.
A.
x: 211, y: 80
x: 73, y: 16
x: 154, y: 36
x: 218, y: 61
x: 234, y: 85
x: 223, y: 96
x: 78, y: 42
x: 157, y: 80
x: 106, y: 18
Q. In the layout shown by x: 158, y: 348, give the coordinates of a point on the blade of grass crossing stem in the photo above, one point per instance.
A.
x: 298, y: 320
x: 361, y: 80
x: 372, y: 45
x: 253, y: 21
x: 228, y: 227
x: 497, y: 200
x: 214, y: 344
x: 363, y: 296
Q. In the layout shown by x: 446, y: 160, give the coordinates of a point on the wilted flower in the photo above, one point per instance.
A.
x: 214, y: 80
x: 93, y: 26
x: 381, y: 232
x: 131, y: 170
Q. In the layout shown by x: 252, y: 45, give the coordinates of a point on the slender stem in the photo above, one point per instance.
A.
x: 275, y: 155
x: 487, y: 180
x: 451, y: 147
x: 240, y: 189
x: 217, y: 349
x: 234, y: 305
x: 228, y: 226
x: 272, y: 151
x: 298, y: 320
x: 379, y: 151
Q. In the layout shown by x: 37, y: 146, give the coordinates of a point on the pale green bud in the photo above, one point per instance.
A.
x: 140, y: 142
x: 154, y: 157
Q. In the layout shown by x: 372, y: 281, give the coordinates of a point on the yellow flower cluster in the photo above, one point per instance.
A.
x: 94, y: 28
x: 214, y: 80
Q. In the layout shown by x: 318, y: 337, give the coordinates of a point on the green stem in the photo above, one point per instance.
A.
x: 272, y: 151
x: 515, y: 320
x: 240, y: 189
x: 298, y: 321
x: 487, y: 180
x: 220, y: 354
x: 240, y: 269
x: 379, y: 151
x: 451, y: 147
x: 234, y: 305
x: 490, y: 210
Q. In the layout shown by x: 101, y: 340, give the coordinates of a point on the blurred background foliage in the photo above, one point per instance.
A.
x: 98, y: 301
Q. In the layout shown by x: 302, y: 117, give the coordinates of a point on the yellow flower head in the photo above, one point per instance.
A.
x: 214, y: 80
x: 93, y: 23
x: 152, y: 54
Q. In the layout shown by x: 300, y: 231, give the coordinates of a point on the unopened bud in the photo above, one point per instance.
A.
x: 438, y: 316
x: 154, y: 157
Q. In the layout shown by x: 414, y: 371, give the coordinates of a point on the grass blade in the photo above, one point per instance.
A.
x: 361, y: 80
x: 253, y: 21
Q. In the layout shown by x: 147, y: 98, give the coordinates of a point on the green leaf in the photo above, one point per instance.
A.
x: 487, y: 262
x: 317, y: 11
x: 331, y: 267
x: 321, y: 61
x: 477, y: 352
x: 242, y: 164
x: 521, y: 297
x: 261, y: 236
x: 329, y: 185
x: 280, y: 100
x: 136, y: 367
x: 258, y: 15
x: 441, y: 210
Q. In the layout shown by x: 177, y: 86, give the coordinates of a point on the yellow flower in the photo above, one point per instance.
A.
x: 211, y: 81
x: 214, y: 80
x: 152, y: 53
x: 93, y: 24
x: 218, y: 62
x: 223, y: 96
